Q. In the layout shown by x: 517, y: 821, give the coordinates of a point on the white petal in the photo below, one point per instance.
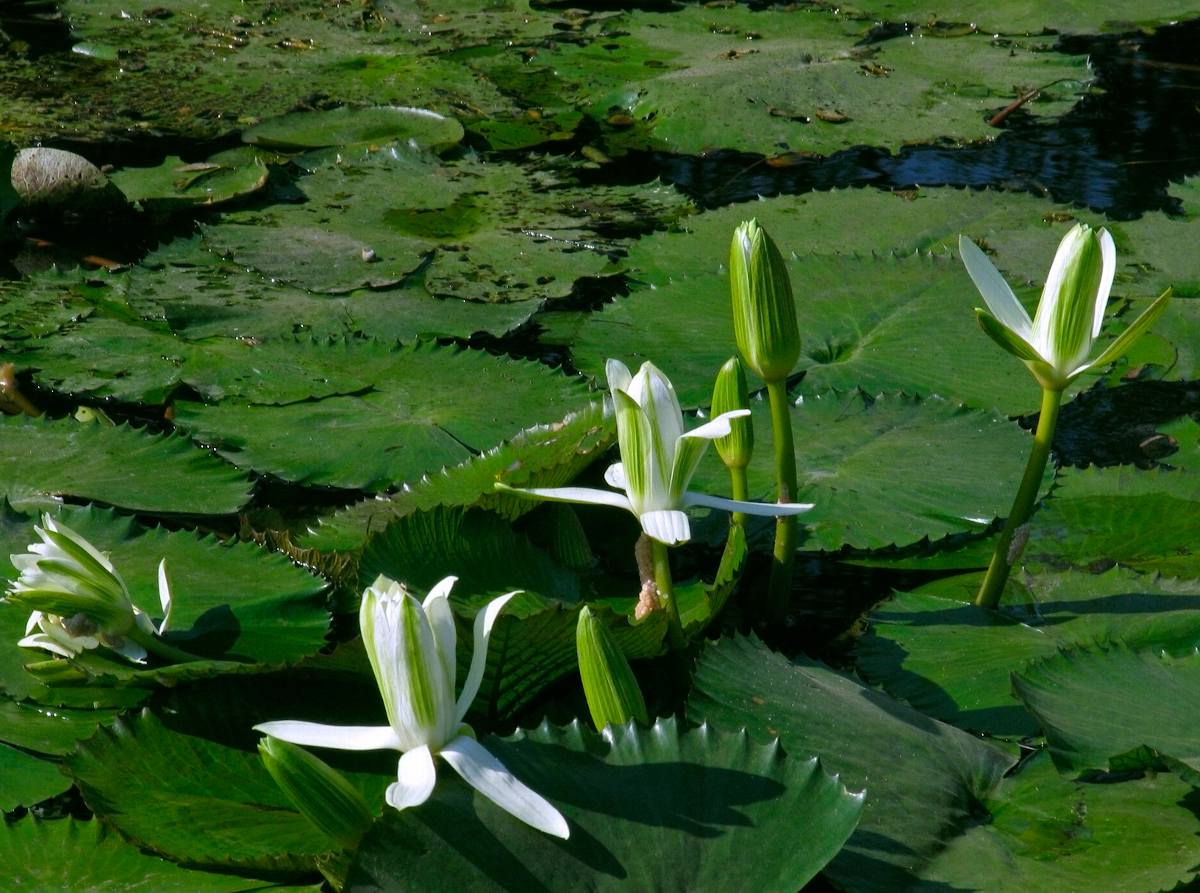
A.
x: 130, y: 650
x: 43, y: 641
x: 484, y: 621
x: 34, y: 618
x: 441, y: 618
x: 164, y: 596
x: 618, y: 375
x: 417, y: 776
x: 317, y: 734
x: 614, y: 476
x: 1108, y: 255
x: 573, y: 494
x: 1043, y: 320
x: 750, y: 508
x: 996, y: 292
x: 486, y: 774
x: 667, y: 526
x: 718, y: 426
x: 654, y: 393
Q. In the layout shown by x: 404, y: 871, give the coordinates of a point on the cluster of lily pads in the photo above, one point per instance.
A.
x: 239, y: 468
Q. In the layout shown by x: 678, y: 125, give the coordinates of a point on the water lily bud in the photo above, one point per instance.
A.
x: 65, y: 575
x: 318, y: 790
x: 612, y: 692
x: 764, y: 314
x: 729, y: 393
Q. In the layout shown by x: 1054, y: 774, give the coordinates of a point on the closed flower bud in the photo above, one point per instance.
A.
x: 764, y: 313
x: 612, y: 691
x: 729, y: 393
x: 318, y: 790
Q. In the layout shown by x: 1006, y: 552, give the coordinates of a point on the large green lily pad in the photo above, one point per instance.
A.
x: 953, y: 661
x: 880, y: 324
x: 852, y: 450
x: 48, y: 857
x: 174, y: 183
x: 1018, y: 17
x: 1097, y: 704
x: 793, y: 79
x: 492, y: 232
x: 542, y: 456
x: 653, y: 809
x: 1147, y: 520
x: 121, y: 465
x: 435, y: 407
x: 1045, y: 832
x: 921, y: 799
x: 351, y: 125
x: 26, y: 779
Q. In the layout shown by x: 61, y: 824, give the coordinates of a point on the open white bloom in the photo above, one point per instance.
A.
x: 658, y: 459
x: 78, y: 599
x: 1057, y: 343
x: 411, y: 648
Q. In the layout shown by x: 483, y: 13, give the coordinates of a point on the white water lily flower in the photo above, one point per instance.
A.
x: 79, y: 600
x: 658, y: 459
x: 411, y: 648
x: 1057, y: 343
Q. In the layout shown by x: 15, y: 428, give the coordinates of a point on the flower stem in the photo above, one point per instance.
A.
x: 741, y: 491
x: 666, y: 595
x: 160, y: 649
x: 779, y: 591
x: 1022, y: 508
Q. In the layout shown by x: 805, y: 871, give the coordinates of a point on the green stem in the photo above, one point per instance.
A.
x: 666, y: 594
x: 779, y: 591
x: 1022, y: 508
x: 156, y: 646
x: 741, y: 490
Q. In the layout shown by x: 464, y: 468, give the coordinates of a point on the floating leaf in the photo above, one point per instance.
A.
x: 657, y: 77
x: 347, y: 126
x: 880, y: 324
x: 934, y: 776
x: 655, y: 809
x: 953, y: 661
x: 851, y: 451
x: 1072, y: 17
x: 544, y: 455
x: 436, y: 407
x: 119, y: 465
x: 71, y: 855
x: 1045, y: 832
x: 174, y: 183
x: 1146, y: 520
x: 26, y: 780
x: 1098, y: 704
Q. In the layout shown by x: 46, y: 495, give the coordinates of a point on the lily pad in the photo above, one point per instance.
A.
x: 492, y: 232
x: 347, y: 126
x: 436, y: 407
x: 120, y: 465
x: 41, y: 856
x: 544, y: 455
x: 852, y: 449
x: 26, y: 780
x: 935, y: 775
x: 1097, y: 704
x: 1009, y: 17
x: 793, y: 79
x: 953, y: 661
x: 1146, y: 520
x: 201, y: 794
x: 880, y: 324
x: 654, y: 809
x: 174, y: 183
x: 1045, y: 832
